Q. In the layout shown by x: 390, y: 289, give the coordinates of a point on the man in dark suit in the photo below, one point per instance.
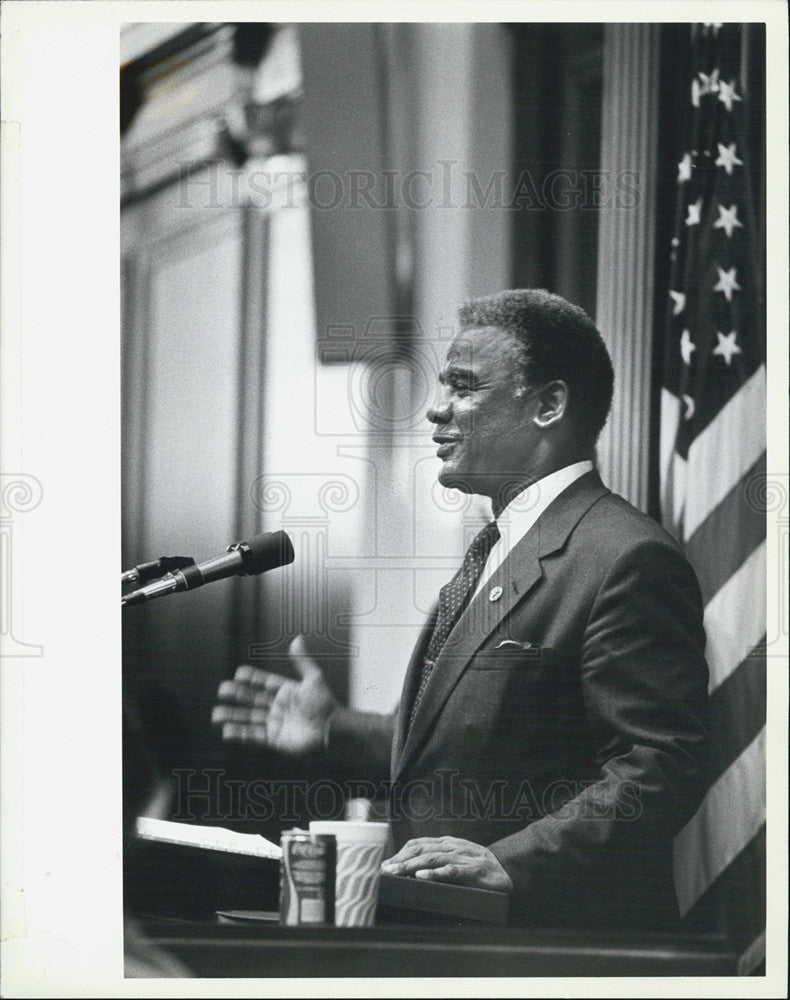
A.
x: 551, y: 736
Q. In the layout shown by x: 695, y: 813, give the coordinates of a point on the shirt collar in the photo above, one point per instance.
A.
x: 525, y: 508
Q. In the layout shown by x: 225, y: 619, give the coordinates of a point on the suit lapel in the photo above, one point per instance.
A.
x: 517, y: 576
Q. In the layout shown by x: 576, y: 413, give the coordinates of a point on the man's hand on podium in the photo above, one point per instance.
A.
x: 274, y: 711
x: 450, y: 859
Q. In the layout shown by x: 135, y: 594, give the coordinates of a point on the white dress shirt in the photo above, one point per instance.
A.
x: 523, y: 511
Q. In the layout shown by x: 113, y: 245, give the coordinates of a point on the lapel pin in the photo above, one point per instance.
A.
x: 496, y: 593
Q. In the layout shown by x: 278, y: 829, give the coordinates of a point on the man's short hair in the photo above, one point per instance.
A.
x: 558, y: 341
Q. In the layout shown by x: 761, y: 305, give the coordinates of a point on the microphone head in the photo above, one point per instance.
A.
x: 267, y: 552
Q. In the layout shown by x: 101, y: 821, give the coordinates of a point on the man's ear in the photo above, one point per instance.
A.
x: 552, y: 403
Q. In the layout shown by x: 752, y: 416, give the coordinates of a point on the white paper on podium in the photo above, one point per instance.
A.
x: 213, y: 838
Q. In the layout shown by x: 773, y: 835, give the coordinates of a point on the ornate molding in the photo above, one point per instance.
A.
x: 207, y: 96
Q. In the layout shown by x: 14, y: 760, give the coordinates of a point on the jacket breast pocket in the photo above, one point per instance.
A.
x: 512, y: 656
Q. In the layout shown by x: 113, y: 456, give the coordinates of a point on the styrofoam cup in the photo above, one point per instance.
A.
x: 360, y: 851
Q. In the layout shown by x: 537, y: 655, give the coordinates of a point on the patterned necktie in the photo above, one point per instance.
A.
x: 453, y: 598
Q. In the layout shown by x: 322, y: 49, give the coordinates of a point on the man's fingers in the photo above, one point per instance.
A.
x: 244, y: 694
x: 262, y: 679
x: 243, y: 733
x: 427, y: 860
x: 423, y: 859
x: 303, y: 663
x: 450, y: 859
x: 459, y: 874
x: 420, y: 845
x: 233, y: 713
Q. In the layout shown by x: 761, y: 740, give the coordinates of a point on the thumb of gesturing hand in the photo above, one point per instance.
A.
x: 302, y: 709
x: 302, y: 662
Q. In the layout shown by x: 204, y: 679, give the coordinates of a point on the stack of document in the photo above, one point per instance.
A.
x: 213, y: 838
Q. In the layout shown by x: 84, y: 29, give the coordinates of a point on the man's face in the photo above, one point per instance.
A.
x: 482, y: 415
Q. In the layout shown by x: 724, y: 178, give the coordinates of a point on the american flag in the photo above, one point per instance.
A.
x: 713, y: 475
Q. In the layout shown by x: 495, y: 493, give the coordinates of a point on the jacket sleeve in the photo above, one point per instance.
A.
x: 359, y: 744
x: 644, y: 683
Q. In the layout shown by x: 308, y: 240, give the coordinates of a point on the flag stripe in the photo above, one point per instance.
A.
x: 708, y: 843
x: 677, y: 496
x: 737, y: 711
x: 725, y: 451
x: 733, y: 530
x: 670, y: 421
x: 672, y: 465
x: 735, y: 618
x: 743, y: 881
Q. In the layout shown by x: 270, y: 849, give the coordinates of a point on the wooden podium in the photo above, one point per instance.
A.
x: 266, y: 950
x: 422, y: 928
x: 194, y: 883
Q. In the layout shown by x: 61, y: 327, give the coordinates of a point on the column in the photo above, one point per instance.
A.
x: 625, y: 249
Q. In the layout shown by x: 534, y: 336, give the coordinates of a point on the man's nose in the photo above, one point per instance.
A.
x: 441, y: 411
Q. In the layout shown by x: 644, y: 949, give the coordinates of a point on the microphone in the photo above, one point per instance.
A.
x: 242, y: 559
x: 146, y: 571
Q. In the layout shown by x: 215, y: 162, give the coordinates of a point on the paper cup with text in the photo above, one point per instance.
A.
x: 360, y: 851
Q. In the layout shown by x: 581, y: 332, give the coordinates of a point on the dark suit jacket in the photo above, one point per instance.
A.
x: 565, y: 722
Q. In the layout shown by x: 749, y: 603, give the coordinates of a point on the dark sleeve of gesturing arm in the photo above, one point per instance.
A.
x: 359, y: 744
x: 644, y: 684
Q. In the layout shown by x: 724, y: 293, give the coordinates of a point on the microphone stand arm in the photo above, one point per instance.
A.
x: 146, y: 571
